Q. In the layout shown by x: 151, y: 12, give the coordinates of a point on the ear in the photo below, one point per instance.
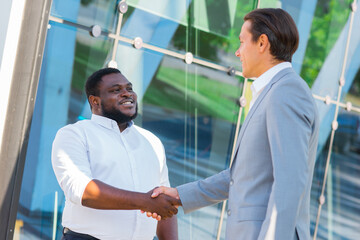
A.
x: 263, y: 43
x: 94, y: 101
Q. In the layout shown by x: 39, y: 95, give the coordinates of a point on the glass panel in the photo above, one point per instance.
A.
x: 87, y: 12
x: 193, y: 110
x: 326, y: 46
x: 169, y: 9
x: 351, y: 89
x: 215, y: 29
x: 69, y: 57
x: 212, y: 35
x: 316, y: 187
x: 340, y: 214
x: 153, y: 24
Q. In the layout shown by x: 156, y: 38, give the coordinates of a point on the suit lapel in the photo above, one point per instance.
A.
x: 276, y: 78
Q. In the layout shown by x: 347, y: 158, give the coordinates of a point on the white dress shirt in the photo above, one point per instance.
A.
x: 260, y: 83
x: 131, y: 160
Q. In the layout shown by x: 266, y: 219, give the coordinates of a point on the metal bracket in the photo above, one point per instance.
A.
x: 188, y: 58
x: 138, y: 43
x: 231, y: 71
x: 95, y: 31
x: 122, y: 7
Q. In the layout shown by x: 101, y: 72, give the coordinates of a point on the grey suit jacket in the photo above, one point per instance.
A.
x: 268, y: 185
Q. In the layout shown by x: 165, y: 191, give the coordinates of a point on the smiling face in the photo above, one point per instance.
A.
x: 248, y: 52
x: 118, y: 101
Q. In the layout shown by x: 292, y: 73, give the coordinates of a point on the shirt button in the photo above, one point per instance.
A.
x: 228, y: 212
x: 231, y: 182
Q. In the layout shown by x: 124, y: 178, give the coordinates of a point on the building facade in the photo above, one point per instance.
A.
x: 179, y: 55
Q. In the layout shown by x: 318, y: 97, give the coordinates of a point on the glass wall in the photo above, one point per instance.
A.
x: 192, y: 101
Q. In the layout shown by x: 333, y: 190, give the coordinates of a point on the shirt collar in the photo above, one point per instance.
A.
x: 107, y: 122
x: 266, y: 77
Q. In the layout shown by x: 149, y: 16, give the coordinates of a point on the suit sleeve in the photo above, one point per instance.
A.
x: 290, y: 116
x: 205, y: 192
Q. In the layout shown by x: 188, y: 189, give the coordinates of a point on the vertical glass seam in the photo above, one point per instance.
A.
x: 232, y: 156
x: 117, y: 34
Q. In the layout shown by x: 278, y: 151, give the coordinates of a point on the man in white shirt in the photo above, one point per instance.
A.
x: 268, y: 185
x: 107, y: 168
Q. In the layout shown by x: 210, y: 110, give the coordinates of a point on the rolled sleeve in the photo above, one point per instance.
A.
x: 70, y: 163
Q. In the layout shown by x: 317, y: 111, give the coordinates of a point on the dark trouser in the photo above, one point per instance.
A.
x: 70, y: 235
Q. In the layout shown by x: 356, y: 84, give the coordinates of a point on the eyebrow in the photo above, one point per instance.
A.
x: 118, y: 85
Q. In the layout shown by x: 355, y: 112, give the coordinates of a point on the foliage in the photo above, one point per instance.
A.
x: 86, y: 63
x: 329, y: 20
x: 172, y: 89
x: 208, y: 44
x: 86, y: 2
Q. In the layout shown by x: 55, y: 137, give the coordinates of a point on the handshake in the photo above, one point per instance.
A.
x: 163, y: 204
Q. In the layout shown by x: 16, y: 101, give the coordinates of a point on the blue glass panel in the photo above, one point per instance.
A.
x: 87, y: 12
x: 340, y: 217
x: 69, y: 57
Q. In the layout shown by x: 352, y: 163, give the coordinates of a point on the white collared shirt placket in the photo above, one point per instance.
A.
x: 135, y: 178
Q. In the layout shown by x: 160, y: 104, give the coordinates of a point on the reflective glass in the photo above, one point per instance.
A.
x: 208, y: 29
x: 153, y: 24
x: 351, y: 90
x: 69, y: 57
x: 193, y: 110
x: 340, y: 217
x: 326, y: 44
x: 87, y: 12
x: 215, y: 29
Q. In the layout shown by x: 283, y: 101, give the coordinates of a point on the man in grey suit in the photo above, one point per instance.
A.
x: 268, y: 185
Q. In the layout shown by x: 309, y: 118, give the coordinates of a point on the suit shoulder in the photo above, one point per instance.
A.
x: 290, y: 86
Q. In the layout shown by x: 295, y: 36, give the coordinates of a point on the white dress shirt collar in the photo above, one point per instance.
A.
x: 260, y: 83
x: 107, y: 122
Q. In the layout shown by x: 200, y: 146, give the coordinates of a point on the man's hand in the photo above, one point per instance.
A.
x: 164, y: 205
x: 172, y: 192
x: 158, y: 192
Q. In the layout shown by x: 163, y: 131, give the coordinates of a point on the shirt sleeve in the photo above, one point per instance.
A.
x: 70, y: 163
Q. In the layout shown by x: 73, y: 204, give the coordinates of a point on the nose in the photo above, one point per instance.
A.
x: 237, y: 53
x: 125, y: 93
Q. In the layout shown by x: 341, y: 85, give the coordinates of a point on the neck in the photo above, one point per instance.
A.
x: 122, y: 126
x: 269, y: 65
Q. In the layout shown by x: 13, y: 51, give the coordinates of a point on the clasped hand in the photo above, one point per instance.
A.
x: 165, y: 203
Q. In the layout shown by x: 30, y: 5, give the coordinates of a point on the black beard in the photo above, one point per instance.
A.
x: 117, y: 115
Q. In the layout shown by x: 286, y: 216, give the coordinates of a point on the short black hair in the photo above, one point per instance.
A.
x: 92, y: 83
x: 280, y: 29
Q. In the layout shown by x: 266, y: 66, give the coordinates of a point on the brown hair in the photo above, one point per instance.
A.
x: 280, y: 29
